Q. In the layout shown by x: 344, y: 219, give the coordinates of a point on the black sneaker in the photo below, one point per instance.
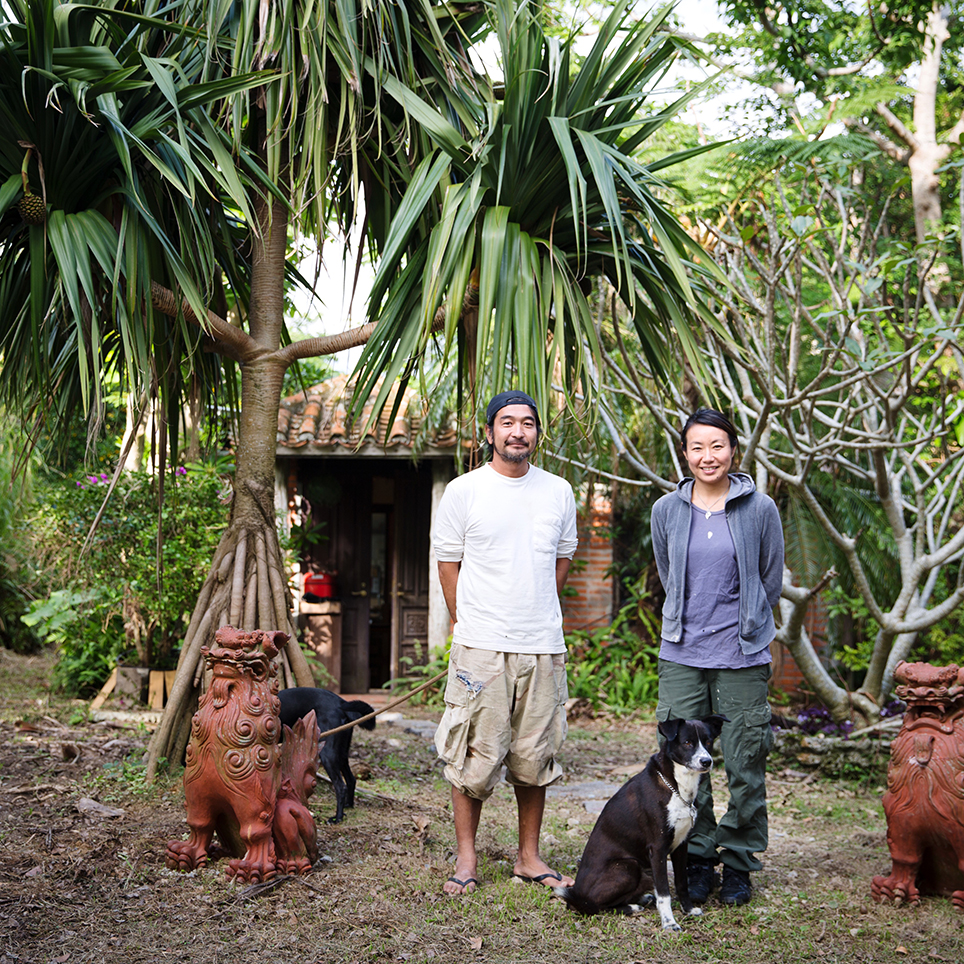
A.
x: 701, y: 879
x: 736, y: 888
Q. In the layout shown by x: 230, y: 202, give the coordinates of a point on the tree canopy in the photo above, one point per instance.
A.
x: 891, y: 72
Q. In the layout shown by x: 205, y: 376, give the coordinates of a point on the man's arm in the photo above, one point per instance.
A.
x: 562, y: 573
x: 448, y: 576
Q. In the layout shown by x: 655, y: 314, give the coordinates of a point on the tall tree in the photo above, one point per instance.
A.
x: 848, y: 397
x: 534, y: 193
x: 160, y: 153
x: 890, y: 71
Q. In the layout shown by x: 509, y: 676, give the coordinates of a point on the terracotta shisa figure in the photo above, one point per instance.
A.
x: 924, y: 802
x: 239, y: 780
x: 295, y: 834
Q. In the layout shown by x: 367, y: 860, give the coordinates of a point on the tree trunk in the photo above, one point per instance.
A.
x: 246, y: 586
x: 928, y: 155
x: 841, y: 703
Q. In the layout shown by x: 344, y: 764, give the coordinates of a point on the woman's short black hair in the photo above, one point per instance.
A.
x: 709, y: 416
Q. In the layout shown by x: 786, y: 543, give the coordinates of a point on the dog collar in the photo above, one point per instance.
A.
x: 691, y: 805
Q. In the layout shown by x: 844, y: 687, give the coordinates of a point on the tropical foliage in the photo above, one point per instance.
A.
x: 615, y: 667
x: 174, y: 145
x: 124, y: 595
x: 526, y: 195
x: 107, y: 117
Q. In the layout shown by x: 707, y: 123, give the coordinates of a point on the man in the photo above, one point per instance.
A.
x: 504, y: 537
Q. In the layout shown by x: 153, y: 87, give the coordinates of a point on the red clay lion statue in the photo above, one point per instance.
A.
x: 924, y: 802
x: 239, y: 781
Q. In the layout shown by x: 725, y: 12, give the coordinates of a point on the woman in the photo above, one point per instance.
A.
x: 719, y: 549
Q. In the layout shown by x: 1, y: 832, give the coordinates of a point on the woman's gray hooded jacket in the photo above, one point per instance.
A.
x: 757, y: 535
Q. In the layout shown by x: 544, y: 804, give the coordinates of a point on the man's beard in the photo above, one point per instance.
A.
x: 514, y: 457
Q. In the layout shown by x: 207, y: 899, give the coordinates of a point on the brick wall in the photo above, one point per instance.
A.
x: 592, y: 606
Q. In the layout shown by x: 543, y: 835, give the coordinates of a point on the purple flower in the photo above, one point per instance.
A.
x: 180, y: 470
x: 104, y: 477
x: 80, y: 485
x: 92, y: 479
x: 817, y: 719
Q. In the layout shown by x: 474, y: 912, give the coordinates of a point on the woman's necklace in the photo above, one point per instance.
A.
x: 709, y: 508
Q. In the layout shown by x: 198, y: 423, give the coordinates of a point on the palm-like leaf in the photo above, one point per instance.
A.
x: 111, y: 109
x: 534, y: 189
x: 318, y: 127
x: 161, y: 128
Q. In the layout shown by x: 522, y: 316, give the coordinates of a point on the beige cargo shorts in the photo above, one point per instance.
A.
x: 502, y: 708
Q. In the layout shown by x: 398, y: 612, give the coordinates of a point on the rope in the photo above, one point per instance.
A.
x: 385, y: 708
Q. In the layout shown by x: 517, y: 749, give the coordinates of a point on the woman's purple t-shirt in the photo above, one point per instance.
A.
x: 711, y: 607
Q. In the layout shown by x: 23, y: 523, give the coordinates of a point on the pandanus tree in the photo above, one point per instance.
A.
x: 171, y: 146
x: 527, y: 198
x: 180, y: 142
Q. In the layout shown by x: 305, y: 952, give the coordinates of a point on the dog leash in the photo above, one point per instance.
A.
x: 386, y: 708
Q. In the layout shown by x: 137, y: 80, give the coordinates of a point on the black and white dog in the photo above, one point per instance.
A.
x: 645, y: 822
x: 330, y: 711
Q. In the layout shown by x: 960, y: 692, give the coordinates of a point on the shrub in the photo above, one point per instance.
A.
x: 15, y: 487
x: 615, y: 667
x: 940, y: 644
x: 108, y: 604
x: 416, y: 672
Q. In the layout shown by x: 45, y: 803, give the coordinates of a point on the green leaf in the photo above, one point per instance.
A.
x: 9, y: 191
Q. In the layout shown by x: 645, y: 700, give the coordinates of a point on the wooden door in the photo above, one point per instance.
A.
x: 413, y: 511
x: 340, y: 496
x: 377, y: 515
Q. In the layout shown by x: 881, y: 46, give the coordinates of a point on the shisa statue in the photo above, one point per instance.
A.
x: 924, y: 802
x: 240, y: 781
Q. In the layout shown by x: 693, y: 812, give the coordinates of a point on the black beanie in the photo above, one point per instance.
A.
x: 509, y: 398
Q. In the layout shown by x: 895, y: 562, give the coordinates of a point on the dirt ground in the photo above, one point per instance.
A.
x: 82, y: 874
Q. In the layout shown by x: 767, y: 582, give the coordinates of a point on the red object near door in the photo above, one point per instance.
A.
x: 320, y: 584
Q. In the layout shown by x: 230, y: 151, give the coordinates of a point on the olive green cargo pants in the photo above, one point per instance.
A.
x: 688, y: 693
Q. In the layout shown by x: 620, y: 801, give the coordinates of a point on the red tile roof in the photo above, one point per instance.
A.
x: 317, y: 420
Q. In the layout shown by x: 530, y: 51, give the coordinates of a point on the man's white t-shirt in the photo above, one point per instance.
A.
x: 507, y: 533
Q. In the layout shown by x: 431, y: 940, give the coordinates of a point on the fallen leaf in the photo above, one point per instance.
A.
x: 86, y: 805
x: 754, y: 930
x: 34, y: 871
x: 900, y: 949
x: 421, y: 824
x: 475, y: 943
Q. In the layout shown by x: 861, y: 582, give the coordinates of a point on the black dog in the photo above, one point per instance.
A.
x: 647, y: 820
x: 330, y: 711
